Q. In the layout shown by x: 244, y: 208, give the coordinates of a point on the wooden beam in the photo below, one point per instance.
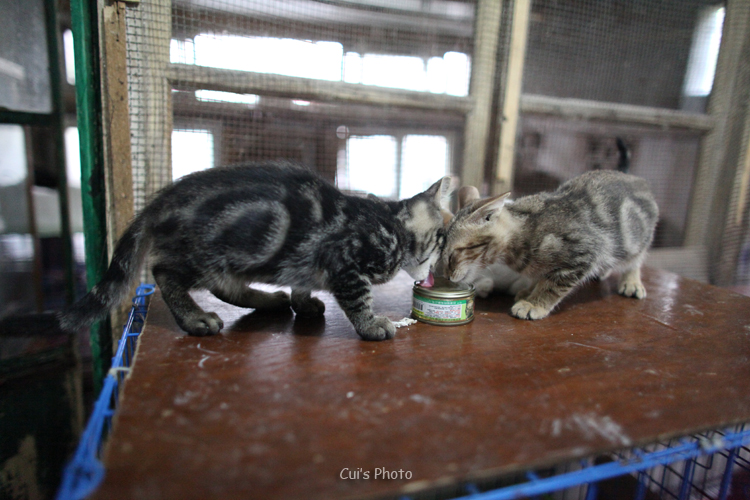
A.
x: 579, y: 109
x: 484, y: 61
x: 247, y: 82
x: 116, y: 122
x: 728, y: 230
x: 511, y: 100
x: 118, y: 171
x: 716, y: 190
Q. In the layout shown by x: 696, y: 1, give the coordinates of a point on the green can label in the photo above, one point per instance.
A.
x: 442, y: 311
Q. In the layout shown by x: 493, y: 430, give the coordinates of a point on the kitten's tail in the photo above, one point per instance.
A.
x: 128, y: 256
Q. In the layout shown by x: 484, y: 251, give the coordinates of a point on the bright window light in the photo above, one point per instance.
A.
x: 218, y: 96
x: 352, y: 68
x: 457, y: 73
x: 281, y: 56
x: 72, y: 157
x: 70, y: 64
x: 424, y: 160
x: 326, y: 61
x: 12, y: 155
x: 370, y: 165
x: 704, y: 53
x: 181, y: 51
x: 403, y: 72
x: 192, y: 150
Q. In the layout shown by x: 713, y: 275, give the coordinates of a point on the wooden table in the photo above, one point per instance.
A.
x: 278, y: 408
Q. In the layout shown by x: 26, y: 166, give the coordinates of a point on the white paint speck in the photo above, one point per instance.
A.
x: 593, y: 425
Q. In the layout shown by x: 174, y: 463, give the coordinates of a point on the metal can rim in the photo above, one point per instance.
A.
x: 439, y: 293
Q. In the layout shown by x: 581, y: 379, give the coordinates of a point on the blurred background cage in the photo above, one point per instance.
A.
x: 386, y: 96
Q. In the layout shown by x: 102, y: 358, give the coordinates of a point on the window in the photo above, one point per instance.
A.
x: 326, y: 61
x: 373, y: 164
x: 704, y: 52
x: 192, y: 150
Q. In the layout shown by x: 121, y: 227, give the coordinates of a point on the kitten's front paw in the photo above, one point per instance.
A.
x: 200, y: 325
x: 632, y: 289
x: 312, y: 308
x: 526, y: 310
x: 381, y: 328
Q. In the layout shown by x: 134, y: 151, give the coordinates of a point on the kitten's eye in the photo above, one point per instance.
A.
x: 488, y: 217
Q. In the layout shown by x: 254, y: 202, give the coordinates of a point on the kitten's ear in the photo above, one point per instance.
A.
x: 466, y: 195
x: 447, y: 216
x: 441, y: 189
x: 483, y: 210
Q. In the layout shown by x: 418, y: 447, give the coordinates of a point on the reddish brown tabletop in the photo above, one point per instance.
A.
x: 278, y: 408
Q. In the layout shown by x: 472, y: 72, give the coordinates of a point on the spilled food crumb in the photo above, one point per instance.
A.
x: 404, y: 322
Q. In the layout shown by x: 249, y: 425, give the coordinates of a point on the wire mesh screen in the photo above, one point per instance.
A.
x: 368, y: 93
x: 247, y: 81
x: 616, y: 51
x: 592, y: 59
x: 148, y: 35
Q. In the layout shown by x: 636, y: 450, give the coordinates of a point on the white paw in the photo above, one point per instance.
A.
x: 199, y: 325
x: 526, y: 310
x: 381, y: 328
x: 632, y: 289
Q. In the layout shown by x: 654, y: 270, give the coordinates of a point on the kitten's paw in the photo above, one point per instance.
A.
x: 526, y: 310
x: 312, y: 308
x: 200, y: 325
x: 381, y: 328
x: 275, y: 300
x: 632, y: 289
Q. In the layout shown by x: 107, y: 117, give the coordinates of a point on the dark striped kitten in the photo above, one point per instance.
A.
x: 599, y: 222
x: 223, y: 228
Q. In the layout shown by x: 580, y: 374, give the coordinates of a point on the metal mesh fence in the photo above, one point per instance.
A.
x: 376, y: 94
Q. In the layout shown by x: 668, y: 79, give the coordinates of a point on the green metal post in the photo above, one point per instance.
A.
x: 88, y: 108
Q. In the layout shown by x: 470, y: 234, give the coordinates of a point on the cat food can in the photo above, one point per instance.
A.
x: 445, y: 303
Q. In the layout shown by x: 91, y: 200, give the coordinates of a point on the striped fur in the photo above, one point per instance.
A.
x: 599, y: 222
x: 276, y: 223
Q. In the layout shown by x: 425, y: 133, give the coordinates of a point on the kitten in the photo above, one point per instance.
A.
x: 275, y: 223
x: 495, y: 277
x: 599, y: 222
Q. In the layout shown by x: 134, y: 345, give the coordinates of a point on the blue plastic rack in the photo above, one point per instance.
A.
x: 699, y: 466
x: 85, y: 472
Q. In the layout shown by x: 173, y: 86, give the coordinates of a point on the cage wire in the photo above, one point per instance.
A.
x: 218, y: 82
x: 656, y: 55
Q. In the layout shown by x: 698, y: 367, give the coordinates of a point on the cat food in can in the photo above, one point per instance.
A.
x: 445, y: 303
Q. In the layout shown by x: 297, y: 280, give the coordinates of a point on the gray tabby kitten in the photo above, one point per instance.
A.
x: 223, y: 228
x: 497, y: 276
x: 599, y: 222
